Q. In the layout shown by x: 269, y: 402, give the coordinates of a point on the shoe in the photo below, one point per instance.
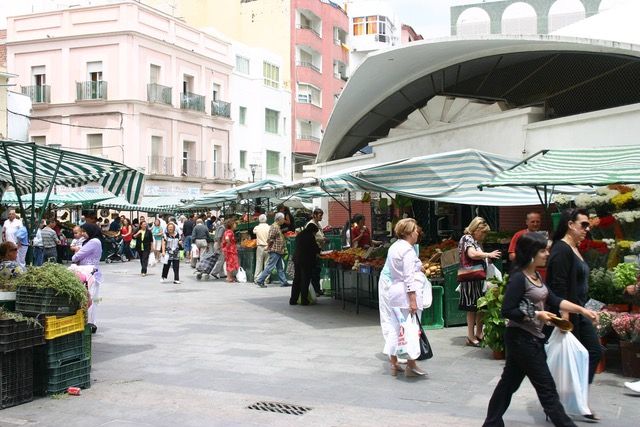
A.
x: 591, y: 418
x: 291, y: 303
x: 320, y: 293
x: 414, y: 372
x: 285, y: 285
x: 395, y: 369
x: 163, y: 280
x: 144, y: 274
x: 633, y: 386
x: 176, y: 282
x: 472, y: 343
x: 262, y: 285
x: 93, y: 328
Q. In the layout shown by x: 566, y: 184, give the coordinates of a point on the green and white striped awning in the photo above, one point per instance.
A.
x: 447, y: 177
x: 216, y: 198
x: 81, y: 198
x: 585, y: 166
x: 31, y: 168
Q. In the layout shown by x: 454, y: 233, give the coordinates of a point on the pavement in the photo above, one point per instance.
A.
x: 202, y: 352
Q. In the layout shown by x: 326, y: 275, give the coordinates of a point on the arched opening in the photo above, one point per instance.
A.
x: 519, y: 18
x: 565, y: 12
x: 473, y: 21
x: 609, y: 4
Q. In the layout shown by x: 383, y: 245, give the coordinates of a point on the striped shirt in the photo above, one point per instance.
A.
x: 49, y: 238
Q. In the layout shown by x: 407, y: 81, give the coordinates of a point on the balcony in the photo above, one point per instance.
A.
x: 192, y: 101
x: 306, y: 64
x: 91, y: 90
x: 158, y: 93
x: 193, y: 168
x: 308, y: 27
x: 306, y: 144
x: 159, y: 165
x: 38, y: 94
x: 222, y: 171
x: 221, y: 109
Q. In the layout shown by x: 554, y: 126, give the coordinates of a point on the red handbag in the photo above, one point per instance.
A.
x: 472, y: 273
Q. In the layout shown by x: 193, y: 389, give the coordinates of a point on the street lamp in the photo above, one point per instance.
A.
x: 253, y: 168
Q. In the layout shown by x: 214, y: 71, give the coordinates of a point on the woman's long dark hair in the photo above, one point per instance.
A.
x: 526, y: 249
x: 92, y: 230
x: 566, y: 216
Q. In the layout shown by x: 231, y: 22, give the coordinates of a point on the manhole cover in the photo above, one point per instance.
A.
x: 280, y: 408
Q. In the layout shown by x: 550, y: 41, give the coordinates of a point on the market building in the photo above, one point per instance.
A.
x: 312, y: 37
x: 129, y: 83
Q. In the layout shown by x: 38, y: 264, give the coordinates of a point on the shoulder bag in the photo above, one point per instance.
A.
x: 471, y: 270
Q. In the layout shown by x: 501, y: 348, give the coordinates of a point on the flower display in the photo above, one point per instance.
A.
x: 622, y: 200
x: 604, y: 323
x: 562, y: 200
x: 627, y: 216
x: 626, y: 326
x: 611, y: 243
x: 597, y: 245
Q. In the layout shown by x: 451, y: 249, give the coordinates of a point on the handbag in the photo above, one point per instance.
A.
x: 472, y: 273
x: 425, y: 347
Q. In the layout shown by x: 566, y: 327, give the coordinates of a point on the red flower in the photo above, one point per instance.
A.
x: 596, y: 245
x: 607, y: 221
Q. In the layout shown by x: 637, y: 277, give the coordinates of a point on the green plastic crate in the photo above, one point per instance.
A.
x: 16, y: 382
x: 432, y: 317
x: 67, y: 348
x: 452, y: 315
x: 32, y: 300
x: 247, y: 258
x: 86, y: 339
x: 72, y: 374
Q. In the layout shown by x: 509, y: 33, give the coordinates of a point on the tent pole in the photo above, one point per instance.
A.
x: 53, y: 179
x: 350, y: 216
x: 15, y: 186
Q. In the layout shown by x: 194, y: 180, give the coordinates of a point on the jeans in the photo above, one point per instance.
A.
x: 525, y: 357
x: 50, y: 253
x: 275, y: 261
x: 187, y: 245
x: 38, y: 255
x: 175, y: 263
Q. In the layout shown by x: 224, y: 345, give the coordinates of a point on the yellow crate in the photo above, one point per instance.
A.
x: 55, y: 326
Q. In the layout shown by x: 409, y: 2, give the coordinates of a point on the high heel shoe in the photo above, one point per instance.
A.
x: 472, y: 343
x: 414, y: 372
x: 395, y: 369
x: 592, y: 417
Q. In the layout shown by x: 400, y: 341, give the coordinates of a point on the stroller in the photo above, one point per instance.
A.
x: 111, y: 246
x: 206, y: 263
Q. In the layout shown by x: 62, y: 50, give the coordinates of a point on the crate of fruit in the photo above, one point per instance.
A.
x: 19, y: 332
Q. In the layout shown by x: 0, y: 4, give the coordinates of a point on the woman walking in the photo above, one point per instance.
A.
x: 144, y: 240
x: 305, y: 258
x: 158, y: 238
x: 524, y: 339
x: 568, y: 277
x: 171, y: 249
x: 400, y: 291
x: 126, y: 231
x: 471, y: 253
x: 230, y: 250
x: 89, y: 254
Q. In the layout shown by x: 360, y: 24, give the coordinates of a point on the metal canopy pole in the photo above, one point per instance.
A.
x: 15, y: 183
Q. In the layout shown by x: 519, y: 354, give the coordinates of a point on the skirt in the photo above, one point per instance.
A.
x: 469, y: 294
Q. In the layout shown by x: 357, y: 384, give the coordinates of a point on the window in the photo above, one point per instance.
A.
x: 94, y: 144
x: 372, y: 24
x: 271, y: 120
x: 38, y: 76
x: 188, y: 165
x: 242, y: 65
x: 242, y: 119
x: 216, y: 92
x: 273, y: 162
x: 187, y: 83
x: 308, y: 94
x: 39, y: 140
x: 217, y: 167
x: 358, y: 26
x: 243, y: 159
x: 156, y: 146
x: 94, y: 69
x: 154, y: 74
x: 271, y: 74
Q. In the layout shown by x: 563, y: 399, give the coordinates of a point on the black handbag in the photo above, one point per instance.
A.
x: 425, y: 348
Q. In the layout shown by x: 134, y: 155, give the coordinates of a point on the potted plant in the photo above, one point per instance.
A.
x: 603, y: 289
x: 494, y: 324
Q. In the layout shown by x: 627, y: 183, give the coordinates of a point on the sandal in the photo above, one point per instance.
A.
x: 395, y: 369
x: 472, y: 343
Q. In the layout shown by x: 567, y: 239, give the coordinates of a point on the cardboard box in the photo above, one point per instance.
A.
x: 450, y: 257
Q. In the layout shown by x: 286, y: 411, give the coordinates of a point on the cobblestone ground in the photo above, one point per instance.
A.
x: 200, y: 353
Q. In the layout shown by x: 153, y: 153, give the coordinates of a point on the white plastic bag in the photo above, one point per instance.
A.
x: 492, y: 271
x: 241, y: 275
x: 164, y: 258
x: 195, y: 252
x: 427, y: 294
x: 568, y: 362
x: 152, y: 260
x: 409, y: 336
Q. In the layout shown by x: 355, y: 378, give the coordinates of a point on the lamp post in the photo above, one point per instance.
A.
x: 253, y: 168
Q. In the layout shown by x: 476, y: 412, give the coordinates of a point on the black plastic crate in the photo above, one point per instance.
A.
x: 16, y: 384
x: 71, y: 374
x: 19, y: 335
x: 33, y: 301
x: 86, y: 339
x: 67, y: 348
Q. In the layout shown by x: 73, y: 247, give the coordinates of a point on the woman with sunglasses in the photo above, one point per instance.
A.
x: 568, y: 278
x: 9, y: 267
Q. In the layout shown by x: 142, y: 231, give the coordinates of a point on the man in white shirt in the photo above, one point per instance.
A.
x: 10, y: 227
x: 320, y: 240
x: 262, y: 234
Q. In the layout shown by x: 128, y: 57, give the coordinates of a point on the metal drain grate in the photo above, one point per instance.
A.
x: 280, y: 408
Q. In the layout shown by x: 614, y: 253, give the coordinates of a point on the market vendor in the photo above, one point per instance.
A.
x: 360, y: 234
x: 320, y: 241
x: 9, y: 267
x: 533, y: 222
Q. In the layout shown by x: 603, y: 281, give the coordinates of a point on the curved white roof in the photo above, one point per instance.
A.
x: 392, y: 83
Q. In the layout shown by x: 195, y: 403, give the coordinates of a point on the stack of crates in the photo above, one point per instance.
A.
x: 17, y: 341
x: 432, y: 317
x: 65, y: 360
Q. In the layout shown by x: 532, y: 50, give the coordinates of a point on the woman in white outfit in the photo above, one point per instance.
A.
x: 401, y: 283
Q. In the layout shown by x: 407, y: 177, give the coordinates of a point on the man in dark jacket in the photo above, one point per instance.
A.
x: 304, y: 261
x: 199, y: 238
x: 187, y: 231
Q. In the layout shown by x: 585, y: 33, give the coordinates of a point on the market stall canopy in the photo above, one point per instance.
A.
x: 446, y: 177
x: 79, y: 198
x: 30, y: 168
x: 586, y: 166
x: 214, y: 199
x: 120, y: 204
x: 564, y: 75
x: 277, y: 190
x: 10, y: 198
x: 166, y: 203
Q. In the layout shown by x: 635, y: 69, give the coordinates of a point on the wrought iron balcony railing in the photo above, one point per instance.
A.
x: 38, y: 94
x: 158, y: 93
x: 91, y: 90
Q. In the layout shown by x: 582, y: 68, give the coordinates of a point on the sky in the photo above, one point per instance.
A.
x: 428, y: 17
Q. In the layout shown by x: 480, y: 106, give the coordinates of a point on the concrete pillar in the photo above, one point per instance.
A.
x: 591, y: 7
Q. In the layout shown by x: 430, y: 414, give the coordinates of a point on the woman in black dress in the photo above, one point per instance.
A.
x: 144, y: 241
x: 525, y: 302
x: 305, y: 258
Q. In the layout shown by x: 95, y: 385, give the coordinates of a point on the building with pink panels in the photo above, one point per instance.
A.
x: 132, y: 84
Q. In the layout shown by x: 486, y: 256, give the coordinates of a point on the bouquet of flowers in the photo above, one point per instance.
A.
x: 627, y: 326
x: 595, y: 253
x: 629, y: 223
x: 605, y: 323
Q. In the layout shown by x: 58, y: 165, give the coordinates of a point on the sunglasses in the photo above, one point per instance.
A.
x: 584, y: 225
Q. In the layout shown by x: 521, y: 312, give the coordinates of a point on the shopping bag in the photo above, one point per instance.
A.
x: 427, y: 294
x: 568, y: 362
x: 425, y: 347
x: 492, y: 272
x: 241, y: 275
x: 152, y: 260
x: 472, y: 273
x: 164, y: 259
x: 132, y: 244
x: 408, y: 337
x: 312, y: 296
x: 195, y: 252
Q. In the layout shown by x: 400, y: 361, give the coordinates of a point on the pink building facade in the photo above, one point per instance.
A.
x: 319, y: 63
x: 127, y: 82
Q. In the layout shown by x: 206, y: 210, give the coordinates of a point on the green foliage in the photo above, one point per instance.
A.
x: 625, y: 274
x: 491, y: 305
x: 7, y: 284
x: 10, y: 315
x: 56, y: 277
x: 602, y: 288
